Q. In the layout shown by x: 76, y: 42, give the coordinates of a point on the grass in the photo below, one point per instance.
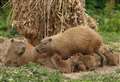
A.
x: 110, y: 37
x: 95, y: 77
x: 29, y: 73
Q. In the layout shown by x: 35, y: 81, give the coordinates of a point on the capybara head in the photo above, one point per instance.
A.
x: 45, y: 45
x: 16, y: 49
x: 2, y: 39
x: 18, y: 52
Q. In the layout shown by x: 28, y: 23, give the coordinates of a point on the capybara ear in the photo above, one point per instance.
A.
x: 12, y: 40
x: 50, y: 39
x: 111, y: 50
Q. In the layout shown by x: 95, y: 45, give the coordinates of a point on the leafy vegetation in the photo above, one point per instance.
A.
x: 106, y: 12
x: 110, y: 36
x: 94, y: 77
x: 4, y: 18
x: 29, y: 73
x: 35, y: 73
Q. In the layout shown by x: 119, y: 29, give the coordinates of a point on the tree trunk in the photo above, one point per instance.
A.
x: 36, y: 19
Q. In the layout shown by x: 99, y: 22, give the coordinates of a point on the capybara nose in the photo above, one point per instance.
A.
x: 23, y: 49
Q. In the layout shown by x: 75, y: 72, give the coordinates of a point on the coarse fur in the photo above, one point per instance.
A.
x: 112, y: 58
x: 76, y: 63
x: 77, y: 39
x: 20, y: 52
x: 8, y: 48
x: 13, y: 51
x: 86, y: 62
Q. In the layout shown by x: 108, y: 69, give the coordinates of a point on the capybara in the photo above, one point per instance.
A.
x: 77, y: 62
x: 18, y: 51
x: 90, y: 62
x: 77, y: 39
x: 112, y: 58
x: 12, y: 50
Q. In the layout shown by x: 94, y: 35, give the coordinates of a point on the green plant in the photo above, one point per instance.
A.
x: 29, y: 73
x: 110, y: 22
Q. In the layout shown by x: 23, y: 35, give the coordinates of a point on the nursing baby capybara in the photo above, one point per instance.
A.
x: 76, y: 63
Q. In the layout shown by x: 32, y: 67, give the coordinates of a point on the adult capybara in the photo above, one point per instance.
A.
x: 77, y: 39
x: 112, y: 58
x: 11, y: 50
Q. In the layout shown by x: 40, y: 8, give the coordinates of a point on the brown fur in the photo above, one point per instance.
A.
x: 89, y: 61
x: 44, y: 60
x: 77, y: 39
x: 15, y: 55
x: 111, y: 58
x: 74, y: 64
x: 64, y: 66
x: 18, y: 51
x: 14, y: 50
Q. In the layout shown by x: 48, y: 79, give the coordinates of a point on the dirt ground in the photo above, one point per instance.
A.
x: 100, y: 71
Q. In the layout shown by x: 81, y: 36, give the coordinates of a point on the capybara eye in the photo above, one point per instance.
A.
x: 50, y: 39
x: 12, y: 40
x: 37, y: 50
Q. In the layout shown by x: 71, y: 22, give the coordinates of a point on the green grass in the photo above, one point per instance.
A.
x: 110, y: 36
x: 29, y: 73
x: 112, y: 39
x: 95, y: 77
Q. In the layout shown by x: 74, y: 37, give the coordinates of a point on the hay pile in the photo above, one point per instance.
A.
x: 36, y: 19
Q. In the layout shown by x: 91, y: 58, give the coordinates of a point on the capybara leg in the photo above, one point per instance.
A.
x: 61, y: 64
x: 103, y: 59
x: 79, y: 66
